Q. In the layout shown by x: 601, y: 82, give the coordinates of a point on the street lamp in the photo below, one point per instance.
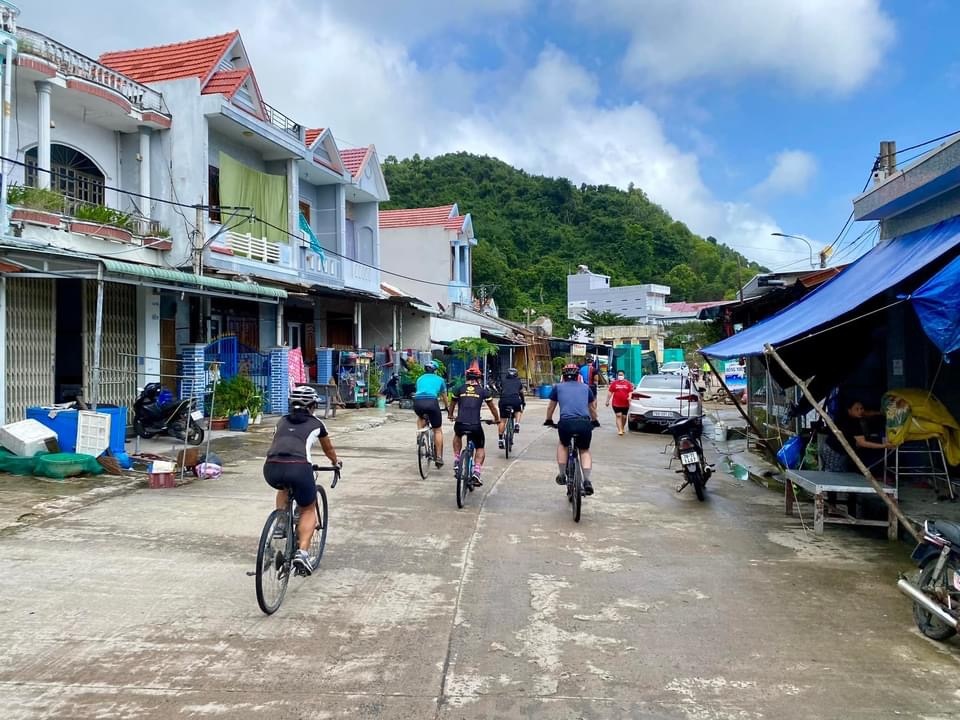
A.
x: 822, y: 253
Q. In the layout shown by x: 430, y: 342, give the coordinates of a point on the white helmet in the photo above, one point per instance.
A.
x: 302, y: 396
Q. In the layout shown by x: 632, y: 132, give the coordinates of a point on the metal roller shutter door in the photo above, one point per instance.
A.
x: 30, y: 344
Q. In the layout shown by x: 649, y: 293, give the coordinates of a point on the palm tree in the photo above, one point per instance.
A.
x: 604, y: 318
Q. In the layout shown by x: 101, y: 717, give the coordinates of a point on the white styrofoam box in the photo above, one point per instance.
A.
x: 93, y: 433
x: 26, y: 438
x: 162, y: 466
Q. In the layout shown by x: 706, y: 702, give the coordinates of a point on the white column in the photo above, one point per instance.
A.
x: 145, y: 204
x: 148, y: 335
x: 43, y: 134
x: 456, y: 263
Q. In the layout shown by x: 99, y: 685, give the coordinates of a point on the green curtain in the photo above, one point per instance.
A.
x: 241, y: 186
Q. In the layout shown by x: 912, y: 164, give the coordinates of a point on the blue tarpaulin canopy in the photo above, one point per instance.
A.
x: 883, y: 268
x: 937, y: 303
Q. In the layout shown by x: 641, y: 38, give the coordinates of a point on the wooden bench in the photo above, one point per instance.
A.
x: 824, y: 486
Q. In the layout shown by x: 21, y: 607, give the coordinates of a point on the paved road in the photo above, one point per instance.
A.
x: 653, y: 606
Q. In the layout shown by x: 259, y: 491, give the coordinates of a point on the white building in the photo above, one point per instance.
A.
x: 590, y: 291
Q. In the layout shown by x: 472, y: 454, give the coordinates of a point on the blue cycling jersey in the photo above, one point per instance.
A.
x: 430, y: 385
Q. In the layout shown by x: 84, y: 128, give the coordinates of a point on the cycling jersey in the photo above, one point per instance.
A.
x: 470, y: 399
x: 294, y: 438
x: 430, y: 385
x: 574, y: 399
x: 512, y: 392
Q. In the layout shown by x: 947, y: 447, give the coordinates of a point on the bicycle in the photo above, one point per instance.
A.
x: 573, y: 474
x: 426, y: 450
x: 508, y: 431
x: 463, y: 472
x: 278, y: 545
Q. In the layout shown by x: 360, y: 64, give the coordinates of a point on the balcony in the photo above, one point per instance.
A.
x: 283, y: 123
x: 70, y: 63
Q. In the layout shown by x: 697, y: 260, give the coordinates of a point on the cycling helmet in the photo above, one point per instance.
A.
x: 430, y: 366
x: 570, y: 372
x: 512, y: 373
x: 302, y: 396
x: 474, y: 373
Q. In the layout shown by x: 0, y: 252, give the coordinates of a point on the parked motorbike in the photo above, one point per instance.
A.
x: 936, y: 594
x: 493, y: 387
x: 689, y: 451
x: 177, y: 418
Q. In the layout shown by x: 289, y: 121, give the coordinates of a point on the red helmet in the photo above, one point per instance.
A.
x: 570, y: 372
x: 474, y: 373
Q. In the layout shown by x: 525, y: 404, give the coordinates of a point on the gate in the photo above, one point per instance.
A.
x: 30, y: 344
x: 236, y: 358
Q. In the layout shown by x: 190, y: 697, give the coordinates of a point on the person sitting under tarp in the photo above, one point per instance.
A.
x: 852, y: 422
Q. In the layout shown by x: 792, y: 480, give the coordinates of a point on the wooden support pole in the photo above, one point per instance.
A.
x: 891, y: 504
x: 736, y: 402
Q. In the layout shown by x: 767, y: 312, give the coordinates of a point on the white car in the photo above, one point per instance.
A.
x: 674, y: 368
x: 662, y: 400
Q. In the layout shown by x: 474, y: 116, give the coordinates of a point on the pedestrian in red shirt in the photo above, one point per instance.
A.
x: 619, y: 396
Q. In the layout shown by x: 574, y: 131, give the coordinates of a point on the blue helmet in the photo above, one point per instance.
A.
x: 429, y: 366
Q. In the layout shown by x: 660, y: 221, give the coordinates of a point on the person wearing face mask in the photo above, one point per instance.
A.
x: 619, y: 397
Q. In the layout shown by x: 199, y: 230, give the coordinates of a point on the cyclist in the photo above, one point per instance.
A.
x: 289, y: 464
x: 511, y: 396
x: 469, y: 400
x: 426, y: 405
x: 578, y: 415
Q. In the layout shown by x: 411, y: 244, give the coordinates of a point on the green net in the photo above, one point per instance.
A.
x: 64, y: 465
x: 16, y: 465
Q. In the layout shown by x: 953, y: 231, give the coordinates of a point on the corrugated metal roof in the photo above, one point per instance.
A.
x: 183, y: 278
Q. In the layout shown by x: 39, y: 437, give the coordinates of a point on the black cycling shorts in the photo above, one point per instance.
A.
x: 625, y: 410
x: 515, y: 403
x: 429, y: 409
x: 297, y: 477
x: 581, y: 427
x: 473, y: 432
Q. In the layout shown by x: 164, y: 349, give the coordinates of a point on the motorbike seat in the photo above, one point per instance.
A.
x: 950, y: 531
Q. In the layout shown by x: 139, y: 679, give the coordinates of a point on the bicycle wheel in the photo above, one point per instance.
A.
x: 508, y: 437
x: 576, y: 494
x: 273, y: 561
x: 463, y: 478
x: 423, y: 454
x: 319, y: 539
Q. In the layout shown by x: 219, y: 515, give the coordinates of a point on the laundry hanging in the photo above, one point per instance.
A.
x: 315, y: 245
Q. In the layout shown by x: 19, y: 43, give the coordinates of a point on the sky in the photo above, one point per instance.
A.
x: 740, y: 117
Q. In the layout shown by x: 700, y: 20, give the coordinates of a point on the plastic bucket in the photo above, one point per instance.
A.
x: 381, y: 402
x: 239, y: 423
x: 543, y: 392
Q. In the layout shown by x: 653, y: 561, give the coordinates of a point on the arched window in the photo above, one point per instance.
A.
x: 71, y: 173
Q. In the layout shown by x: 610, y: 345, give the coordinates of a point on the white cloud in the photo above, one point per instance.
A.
x: 336, y: 67
x: 791, y: 173
x: 815, y: 44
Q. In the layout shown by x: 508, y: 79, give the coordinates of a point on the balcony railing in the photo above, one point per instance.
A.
x: 252, y: 247
x: 282, y: 122
x: 8, y: 17
x: 70, y: 62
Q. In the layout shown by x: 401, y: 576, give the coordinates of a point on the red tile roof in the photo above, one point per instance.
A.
x: 353, y: 159
x: 194, y: 58
x: 313, y: 134
x: 225, y: 82
x: 688, y: 307
x: 416, y: 217
x: 455, y: 223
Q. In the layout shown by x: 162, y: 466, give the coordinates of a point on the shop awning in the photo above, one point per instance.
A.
x: 166, y: 277
x: 884, y: 268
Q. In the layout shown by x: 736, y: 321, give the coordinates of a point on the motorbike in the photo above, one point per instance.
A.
x: 936, y: 593
x: 689, y: 451
x: 177, y: 418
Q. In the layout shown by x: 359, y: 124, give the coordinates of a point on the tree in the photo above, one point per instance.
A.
x: 605, y: 318
x: 691, y: 336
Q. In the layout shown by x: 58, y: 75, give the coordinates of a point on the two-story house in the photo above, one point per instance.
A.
x: 85, y: 245
x: 588, y: 290
x: 282, y: 204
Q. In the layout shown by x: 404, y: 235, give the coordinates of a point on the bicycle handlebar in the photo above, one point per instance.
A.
x: 335, y: 469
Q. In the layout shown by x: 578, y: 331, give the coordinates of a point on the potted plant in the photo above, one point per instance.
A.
x: 35, y: 206
x: 158, y: 239
x: 238, y: 398
x: 374, y: 386
x: 102, y: 222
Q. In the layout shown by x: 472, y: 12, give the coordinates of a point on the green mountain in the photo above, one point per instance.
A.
x: 534, y: 230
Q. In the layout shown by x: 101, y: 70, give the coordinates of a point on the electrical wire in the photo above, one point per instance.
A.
x: 928, y: 142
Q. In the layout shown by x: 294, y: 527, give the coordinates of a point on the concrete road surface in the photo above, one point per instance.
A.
x: 654, y: 606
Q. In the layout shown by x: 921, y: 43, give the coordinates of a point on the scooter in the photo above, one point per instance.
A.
x: 177, y: 418
x: 936, y: 594
x: 391, y: 390
x: 689, y: 451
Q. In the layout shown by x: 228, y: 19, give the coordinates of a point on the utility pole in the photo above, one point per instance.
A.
x: 739, y: 279
x: 196, y: 240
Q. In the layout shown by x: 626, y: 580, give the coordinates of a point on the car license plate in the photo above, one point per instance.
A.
x: 661, y: 413
x: 196, y: 416
x: 690, y: 458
